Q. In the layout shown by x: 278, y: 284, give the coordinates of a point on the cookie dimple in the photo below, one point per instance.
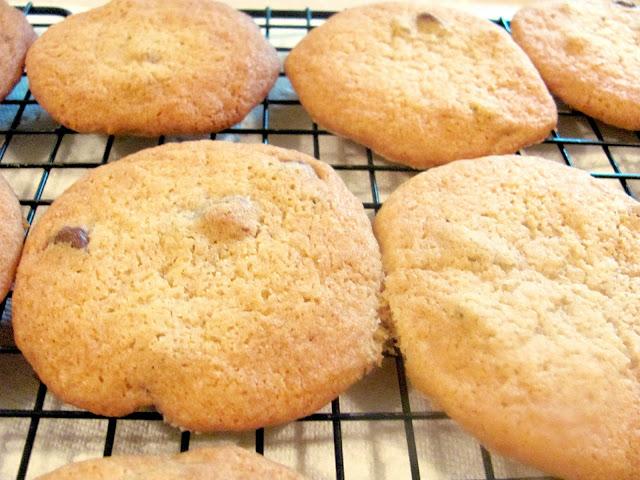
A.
x: 301, y: 166
x: 203, y: 255
x: 575, y: 44
x: 75, y: 237
x: 144, y: 53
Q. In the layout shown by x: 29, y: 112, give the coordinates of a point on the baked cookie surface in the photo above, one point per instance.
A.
x: 150, y: 67
x: 209, y: 463
x: 421, y: 85
x: 514, y: 290
x: 588, y: 53
x: 232, y: 286
x: 11, y: 236
x: 15, y: 39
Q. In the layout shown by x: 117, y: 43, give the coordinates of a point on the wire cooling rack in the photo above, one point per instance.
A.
x: 381, y: 428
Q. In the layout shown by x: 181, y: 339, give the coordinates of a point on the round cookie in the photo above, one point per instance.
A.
x: 588, y: 54
x: 209, y: 463
x: 421, y: 85
x: 231, y: 286
x: 11, y: 236
x: 15, y: 39
x: 514, y: 289
x: 150, y: 67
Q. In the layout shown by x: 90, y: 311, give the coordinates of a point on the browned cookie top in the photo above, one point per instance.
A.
x: 514, y: 288
x: 588, y: 53
x: 421, y: 85
x: 151, y: 67
x: 232, y: 286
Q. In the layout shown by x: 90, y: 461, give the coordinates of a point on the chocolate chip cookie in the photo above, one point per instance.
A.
x: 150, y: 67
x: 588, y: 54
x: 232, y: 286
x: 421, y: 85
x: 514, y: 288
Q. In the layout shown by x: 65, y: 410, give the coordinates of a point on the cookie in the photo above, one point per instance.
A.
x: 156, y: 67
x: 588, y: 54
x: 514, y: 288
x: 15, y: 39
x: 231, y: 286
x: 421, y: 85
x: 210, y: 463
x: 11, y: 236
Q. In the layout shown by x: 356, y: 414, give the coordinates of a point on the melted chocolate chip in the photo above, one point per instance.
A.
x: 76, y: 237
x: 429, y: 23
x: 427, y: 17
x: 622, y: 3
x: 230, y: 218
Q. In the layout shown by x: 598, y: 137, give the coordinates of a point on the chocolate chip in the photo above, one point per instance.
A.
x: 230, y: 218
x: 429, y: 23
x: 622, y: 3
x: 76, y: 237
x: 427, y: 17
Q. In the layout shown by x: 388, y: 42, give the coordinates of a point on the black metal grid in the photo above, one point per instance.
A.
x: 269, y: 20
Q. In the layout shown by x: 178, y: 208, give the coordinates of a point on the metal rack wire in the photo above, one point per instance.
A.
x: 14, y: 127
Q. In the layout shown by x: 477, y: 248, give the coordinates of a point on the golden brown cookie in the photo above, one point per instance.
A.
x: 230, y: 285
x: 11, y: 236
x: 588, y: 53
x: 15, y: 37
x: 514, y: 289
x: 210, y: 463
x: 150, y: 67
x: 421, y: 85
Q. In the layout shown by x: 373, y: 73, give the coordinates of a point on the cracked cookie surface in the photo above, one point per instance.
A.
x: 514, y: 288
x: 421, y: 85
x: 232, y: 286
x: 151, y: 67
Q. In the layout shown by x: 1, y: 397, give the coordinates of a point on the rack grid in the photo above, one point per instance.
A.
x: 579, y: 141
